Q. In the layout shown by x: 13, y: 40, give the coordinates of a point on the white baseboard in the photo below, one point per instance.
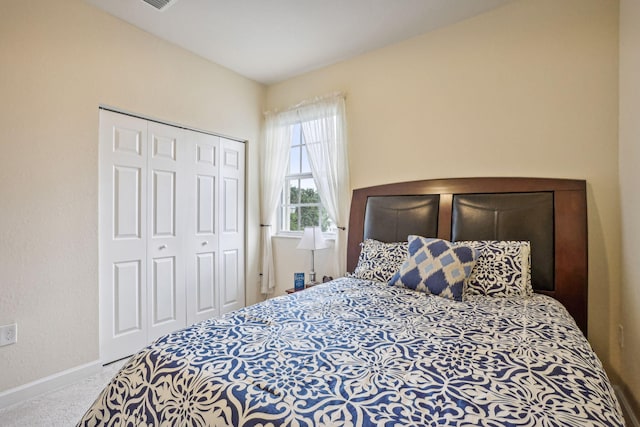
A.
x: 48, y: 384
x: 626, y: 407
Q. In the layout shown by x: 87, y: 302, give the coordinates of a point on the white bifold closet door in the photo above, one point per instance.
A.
x: 231, y: 230
x: 215, y: 230
x: 171, y: 230
x: 165, y: 238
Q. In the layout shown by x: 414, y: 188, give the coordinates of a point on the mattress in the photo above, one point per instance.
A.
x: 360, y: 353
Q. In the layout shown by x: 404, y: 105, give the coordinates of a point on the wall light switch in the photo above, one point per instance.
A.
x: 8, y: 334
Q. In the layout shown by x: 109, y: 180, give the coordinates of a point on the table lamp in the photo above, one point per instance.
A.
x: 312, y: 240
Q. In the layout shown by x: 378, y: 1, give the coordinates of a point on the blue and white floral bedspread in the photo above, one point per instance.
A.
x: 353, y: 352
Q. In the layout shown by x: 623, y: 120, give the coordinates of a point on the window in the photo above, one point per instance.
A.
x: 317, y: 166
x: 300, y: 205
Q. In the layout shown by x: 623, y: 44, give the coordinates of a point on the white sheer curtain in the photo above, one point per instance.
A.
x: 274, y: 155
x: 324, y: 129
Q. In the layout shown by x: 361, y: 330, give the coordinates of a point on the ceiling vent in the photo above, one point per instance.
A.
x: 160, y: 4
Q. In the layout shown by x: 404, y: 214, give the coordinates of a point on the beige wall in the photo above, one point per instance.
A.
x: 59, y: 61
x: 630, y: 191
x: 529, y: 89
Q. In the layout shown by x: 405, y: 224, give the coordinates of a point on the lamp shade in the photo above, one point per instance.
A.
x: 312, y: 239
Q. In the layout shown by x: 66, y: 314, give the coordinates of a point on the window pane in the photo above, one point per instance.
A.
x: 309, y: 216
x: 296, y: 134
x: 304, y: 166
x: 308, y: 183
x: 294, y: 191
x: 308, y: 192
x: 294, y: 160
x: 294, y: 219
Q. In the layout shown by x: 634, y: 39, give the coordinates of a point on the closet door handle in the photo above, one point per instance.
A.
x: 205, y: 243
x: 162, y: 247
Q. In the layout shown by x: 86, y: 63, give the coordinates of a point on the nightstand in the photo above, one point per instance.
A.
x: 306, y: 286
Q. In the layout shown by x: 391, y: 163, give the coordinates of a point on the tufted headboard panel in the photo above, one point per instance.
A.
x: 510, y: 216
x: 393, y: 218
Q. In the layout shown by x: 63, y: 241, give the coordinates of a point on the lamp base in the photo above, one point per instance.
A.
x: 312, y: 277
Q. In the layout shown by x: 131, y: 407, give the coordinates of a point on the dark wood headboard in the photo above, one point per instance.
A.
x: 555, y: 223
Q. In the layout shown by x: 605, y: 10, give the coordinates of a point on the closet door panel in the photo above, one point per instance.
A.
x: 232, y: 224
x: 122, y: 235
x: 164, y: 203
x: 230, y: 284
x: 202, y: 236
x: 205, y: 283
x: 127, y: 199
x: 127, y: 293
x: 163, y: 289
x: 165, y: 243
x: 205, y: 204
x: 231, y: 205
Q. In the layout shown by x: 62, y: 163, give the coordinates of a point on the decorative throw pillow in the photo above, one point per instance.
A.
x: 503, y: 269
x: 378, y: 260
x: 436, y: 267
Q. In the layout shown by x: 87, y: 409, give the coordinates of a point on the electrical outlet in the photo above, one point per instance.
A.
x: 8, y: 334
x: 620, y: 335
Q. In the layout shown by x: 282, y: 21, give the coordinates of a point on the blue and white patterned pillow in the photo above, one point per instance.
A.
x: 436, y: 267
x: 503, y: 269
x: 378, y: 260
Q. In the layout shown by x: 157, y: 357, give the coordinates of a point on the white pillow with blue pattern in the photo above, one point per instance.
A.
x: 503, y: 269
x: 436, y: 266
x: 379, y: 260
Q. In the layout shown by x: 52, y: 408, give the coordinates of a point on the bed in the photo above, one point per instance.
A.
x: 359, y: 351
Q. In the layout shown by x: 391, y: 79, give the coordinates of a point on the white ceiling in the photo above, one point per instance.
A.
x: 273, y: 40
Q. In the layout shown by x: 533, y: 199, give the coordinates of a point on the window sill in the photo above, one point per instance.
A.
x: 327, y: 236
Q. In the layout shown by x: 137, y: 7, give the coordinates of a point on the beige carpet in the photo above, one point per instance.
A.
x: 61, y: 408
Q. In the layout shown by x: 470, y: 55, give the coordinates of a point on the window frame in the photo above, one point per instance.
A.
x: 285, y: 205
